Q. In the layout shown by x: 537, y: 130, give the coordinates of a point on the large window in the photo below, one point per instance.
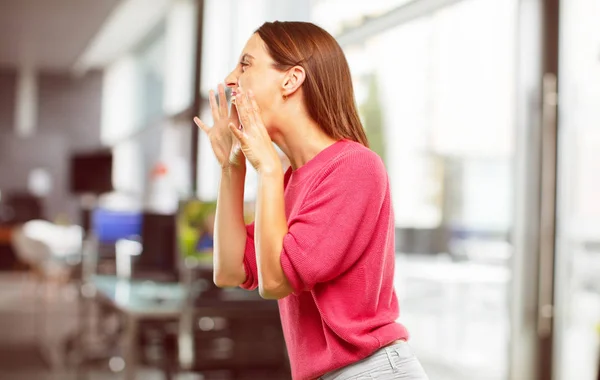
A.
x: 144, y: 91
x: 436, y: 98
x: 337, y: 16
x: 577, y: 286
x: 133, y: 105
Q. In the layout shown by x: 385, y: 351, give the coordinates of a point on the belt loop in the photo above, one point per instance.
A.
x: 404, y: 351
x: 392, y: 364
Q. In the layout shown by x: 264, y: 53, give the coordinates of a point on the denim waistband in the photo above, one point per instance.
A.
x: 380, y: 357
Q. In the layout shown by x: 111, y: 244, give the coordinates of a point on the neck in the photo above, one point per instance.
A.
x: 300, y: 138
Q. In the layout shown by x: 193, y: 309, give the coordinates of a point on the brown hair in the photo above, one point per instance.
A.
x: 327, y: 88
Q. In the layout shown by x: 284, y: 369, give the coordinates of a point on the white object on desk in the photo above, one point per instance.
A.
x: 125, y: 251
x: 49, y: 247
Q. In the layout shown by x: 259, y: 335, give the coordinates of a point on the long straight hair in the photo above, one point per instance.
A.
x: 327, y: 88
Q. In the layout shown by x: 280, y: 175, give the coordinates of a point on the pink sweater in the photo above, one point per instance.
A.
x: 339, y: 258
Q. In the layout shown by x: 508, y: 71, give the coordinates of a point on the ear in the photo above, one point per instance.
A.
x: 293, y: 80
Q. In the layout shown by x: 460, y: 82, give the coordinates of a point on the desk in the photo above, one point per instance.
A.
x: 149, y: 299
x: 220, y: 325
x: 137, y: 301
x: 141, y: 298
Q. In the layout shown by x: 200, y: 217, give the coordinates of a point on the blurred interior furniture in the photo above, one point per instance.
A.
x: 233, y: 331
x: 169, y: 316
x: 129, y: 281
x: 139, y: 303
x: 53, y: 252
x: 147, y: 313
x: 159, y: 258
x: 481, y: 245
x: 90, y: 175
x: 8, y: 259
x: 91, y: 172
x: 16, y: 208
x: 21, y: 207
x: 126, y: 250
x: 156, y: 234
x: 193, y: 327
x: 49, y: 249
x: 106, y: 227
x: 422, y: 240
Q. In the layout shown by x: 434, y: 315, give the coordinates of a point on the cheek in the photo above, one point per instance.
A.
x: 266, y: 111
x: 264, y: 99
x: 265, y: 92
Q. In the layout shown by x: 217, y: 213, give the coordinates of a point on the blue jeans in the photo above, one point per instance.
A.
x: 393, y: 362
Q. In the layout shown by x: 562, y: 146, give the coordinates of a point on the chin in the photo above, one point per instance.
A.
x: 271, y: 132
x: 268, y: 124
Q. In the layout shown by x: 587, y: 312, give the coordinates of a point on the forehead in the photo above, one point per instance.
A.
x: 255, y: 47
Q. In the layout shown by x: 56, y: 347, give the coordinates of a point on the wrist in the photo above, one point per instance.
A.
x: 234, y: 170
x: 273, y: 169
x: 271, y: 172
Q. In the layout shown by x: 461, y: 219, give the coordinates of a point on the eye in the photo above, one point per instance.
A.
x: 244, y: 65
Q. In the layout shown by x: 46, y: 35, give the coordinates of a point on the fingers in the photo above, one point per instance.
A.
x: 245, y: 111
x: 233, y: 114
x: 201, y: 125
x: 254, y: 105
x: 238, y: 133
x: 222, y: 101
x: 213, y: 105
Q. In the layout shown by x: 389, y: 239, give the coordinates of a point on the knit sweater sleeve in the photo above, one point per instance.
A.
x: 336, y: 220
x: 250, y: 266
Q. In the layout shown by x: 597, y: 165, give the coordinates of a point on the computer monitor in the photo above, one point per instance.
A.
x: 91, y: 172
x: 159, y: 256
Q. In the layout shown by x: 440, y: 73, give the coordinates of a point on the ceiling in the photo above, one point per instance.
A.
x: 49, y: 34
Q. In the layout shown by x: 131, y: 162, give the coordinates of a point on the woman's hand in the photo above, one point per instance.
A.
x: 226, y: 148
x: 253, y: 136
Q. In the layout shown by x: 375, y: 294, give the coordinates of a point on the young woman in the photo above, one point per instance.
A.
x: 322, y: 242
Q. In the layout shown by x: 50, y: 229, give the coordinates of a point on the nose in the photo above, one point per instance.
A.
x: 231, y: 79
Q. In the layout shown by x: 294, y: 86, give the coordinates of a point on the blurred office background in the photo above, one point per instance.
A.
x: 485, y: 112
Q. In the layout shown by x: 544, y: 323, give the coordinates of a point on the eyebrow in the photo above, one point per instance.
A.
x: 246, y: 56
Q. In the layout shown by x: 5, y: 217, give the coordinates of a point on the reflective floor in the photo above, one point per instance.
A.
x: 456, y: 313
